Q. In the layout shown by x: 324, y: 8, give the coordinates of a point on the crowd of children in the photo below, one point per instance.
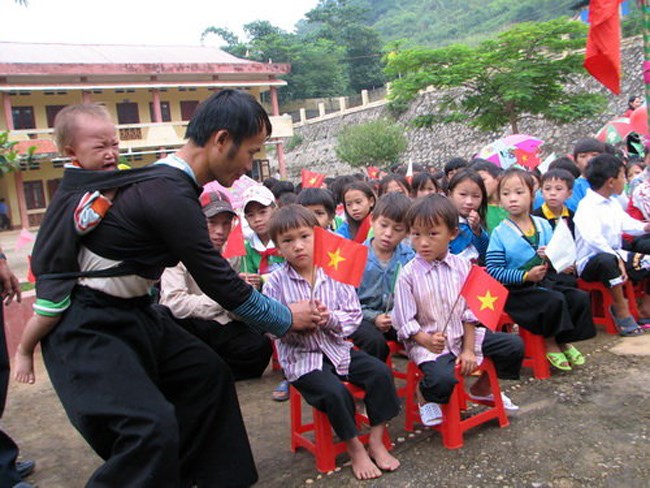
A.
x: 423, y: 235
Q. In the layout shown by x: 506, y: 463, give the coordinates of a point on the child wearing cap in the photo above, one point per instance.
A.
x: 245, y: 351
x: 261, y: 256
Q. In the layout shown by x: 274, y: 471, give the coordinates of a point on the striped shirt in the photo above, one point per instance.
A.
x: 424, y: 298
x: 300, y: 352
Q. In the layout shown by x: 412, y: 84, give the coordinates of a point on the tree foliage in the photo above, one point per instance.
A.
x: 379, y: 142
x: 529, y: 70
x: 9, y: 157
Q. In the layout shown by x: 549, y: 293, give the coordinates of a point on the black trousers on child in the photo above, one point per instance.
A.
x: 505, y: 350
x: 603, y: 267
x: 245, y: 351
x: 325, y: 391
x: 370, y: 339
x: 156, y: 403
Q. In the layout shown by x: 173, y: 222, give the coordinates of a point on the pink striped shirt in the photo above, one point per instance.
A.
x: 424, y: 296
x: 302, y: 353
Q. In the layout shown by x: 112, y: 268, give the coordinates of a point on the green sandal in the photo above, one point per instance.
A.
x: 558, y: 360
x: 574, y: 356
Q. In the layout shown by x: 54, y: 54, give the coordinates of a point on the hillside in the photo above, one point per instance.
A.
x: 441, y: 22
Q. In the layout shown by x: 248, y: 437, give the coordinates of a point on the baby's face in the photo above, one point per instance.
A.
x: 95, y: 144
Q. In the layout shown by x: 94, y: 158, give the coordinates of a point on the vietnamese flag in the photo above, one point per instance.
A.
x: 234, y: 246
x: 341, y: 259
x: 526, y: 159
x: 485, y: 296
x: 603, y: 54
x: 30, y: 274
x: 373, y: 172
x: 311, y: 179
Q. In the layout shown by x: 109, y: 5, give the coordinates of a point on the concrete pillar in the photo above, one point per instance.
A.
x: 157, y: 109
x: 275, y: 106
x: 321, y: 109
x: 365, y: 100
x: 282, y: 167
x: 342, y: 104
x: 20, y: 194
x: 9, y: 118
x: 85, y: 96
x: 303, y: 116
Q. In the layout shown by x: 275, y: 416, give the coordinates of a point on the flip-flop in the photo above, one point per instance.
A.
x: 574, y: 356
x: 627, y: 326
x: 281, y: 392
x: 558, y: 360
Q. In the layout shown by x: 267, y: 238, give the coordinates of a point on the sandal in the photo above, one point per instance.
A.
x: 558, y: 360
x: 574, y: 356
x: 627, y: 327
x: 281, y: 392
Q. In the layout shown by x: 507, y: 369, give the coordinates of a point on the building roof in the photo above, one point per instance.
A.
x: 19, y: 58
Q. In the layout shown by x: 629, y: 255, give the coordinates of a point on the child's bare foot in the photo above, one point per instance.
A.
x: 362, y: 466
x: 24, y: 366
x: 383, y: 459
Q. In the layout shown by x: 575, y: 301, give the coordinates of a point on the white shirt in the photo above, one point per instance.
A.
x: 600, y: 223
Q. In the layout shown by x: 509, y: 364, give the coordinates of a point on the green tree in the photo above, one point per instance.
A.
x: 9, y: 158
x: 379, y: 142
x: 527, y: 71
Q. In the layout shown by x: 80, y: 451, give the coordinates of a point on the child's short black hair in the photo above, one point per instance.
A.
x: 290, y: 217
x: 489, y: 167
x: 432, y: 210
x: 400, y: 179
x: 282, y: 187
x: 393, y: 206
x: 559, y: 174
x: 587, y: 145
x: 602, y: 168
x: 523, y: 175
x: 286, y: 198
x: 566, y: 163
x: 454, y: 164
x: 318, y: 196
x: 420, y: 180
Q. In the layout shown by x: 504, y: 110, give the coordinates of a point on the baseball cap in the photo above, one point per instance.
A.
x: 214, y: 202
x: 259, y: 194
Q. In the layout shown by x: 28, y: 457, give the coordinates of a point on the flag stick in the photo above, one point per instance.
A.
x: 645, y: 6
x: 313, y: 284
x: 451, y: 312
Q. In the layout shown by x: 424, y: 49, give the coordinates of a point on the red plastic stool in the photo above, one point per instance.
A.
x: 534, y: 350
x: 395, y: 348
x: 453, y: 427
x: 322, y: 446
x: 601, y: 302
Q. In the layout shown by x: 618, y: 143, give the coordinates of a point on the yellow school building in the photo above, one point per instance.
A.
x: 151, y: 91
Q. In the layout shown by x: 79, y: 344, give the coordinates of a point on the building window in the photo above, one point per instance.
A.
x: 52, y: 187
x: 50, y: 112
x: 23, y: 117
x: 164, y: 109
x: 34, y: 195
x: 127, y: 113
x: 187, y: 109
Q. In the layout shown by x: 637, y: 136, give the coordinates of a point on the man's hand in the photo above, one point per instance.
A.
x: 306, y: 316
x: 252, y: 279
x: 467, y: 361
x: 383, y: 322
x: 10, y: 285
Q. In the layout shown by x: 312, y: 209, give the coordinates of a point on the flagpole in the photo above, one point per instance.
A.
x: 645, y: 6
x: 451, y: 313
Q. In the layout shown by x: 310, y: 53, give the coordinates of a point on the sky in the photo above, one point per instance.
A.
x: 144, y: 22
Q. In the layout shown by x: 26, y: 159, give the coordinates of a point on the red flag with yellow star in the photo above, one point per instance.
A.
x: 485, y: 296
x: 527, y: 159
x: 341, y: 259
x: 311, y: 179
x: 234, y: 246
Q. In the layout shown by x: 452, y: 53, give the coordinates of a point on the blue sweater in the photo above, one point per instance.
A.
x: 377, y: 282
x: 509, y: 251
x: 467, y: 238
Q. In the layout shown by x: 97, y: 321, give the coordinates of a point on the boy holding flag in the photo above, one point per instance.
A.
x: 317, y: 363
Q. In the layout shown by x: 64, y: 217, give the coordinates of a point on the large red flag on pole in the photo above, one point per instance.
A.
x: 603, y: 54
x: 341, y: 259
x: 485, y: 296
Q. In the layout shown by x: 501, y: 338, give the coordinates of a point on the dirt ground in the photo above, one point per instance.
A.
x: 589, y: 428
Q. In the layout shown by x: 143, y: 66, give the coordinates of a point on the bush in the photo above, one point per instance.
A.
x: 374, y: 143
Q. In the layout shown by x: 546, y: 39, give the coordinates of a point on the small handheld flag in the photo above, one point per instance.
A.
x: 341, y: 259
x: 234, y: 246
x: 311, y: 179
x: 485, y: 296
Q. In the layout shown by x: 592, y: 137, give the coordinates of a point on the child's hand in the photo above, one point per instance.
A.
x: 383, y: 322
x: 474, y: 221
x: 467, y: 361
x: 537, y: 273
x: 570, y: 270
x: 541, y: 252
x: 252, y: 279
x: 323, y: 311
